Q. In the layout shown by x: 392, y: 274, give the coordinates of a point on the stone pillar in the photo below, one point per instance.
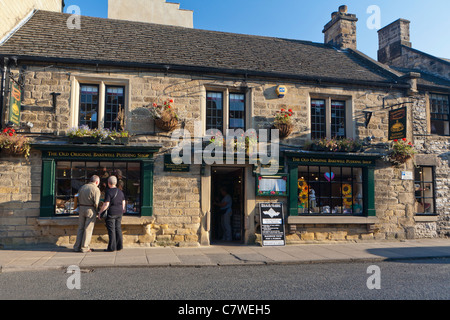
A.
x: 341, y: 30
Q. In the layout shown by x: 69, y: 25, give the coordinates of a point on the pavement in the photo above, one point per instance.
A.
x: 32, y: 258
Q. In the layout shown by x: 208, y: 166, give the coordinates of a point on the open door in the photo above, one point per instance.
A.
x: 232, y: 179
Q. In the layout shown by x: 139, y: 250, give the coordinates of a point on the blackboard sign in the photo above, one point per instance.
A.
x: 397, y: 124
x: 272, y: 224
x: 169, y: 166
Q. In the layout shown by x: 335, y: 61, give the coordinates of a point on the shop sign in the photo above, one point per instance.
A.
x: 169, y: 166
x: 272, y: 224
x: 97, y: 155
x: 333, y: 161
x: 15, y: 104
x: 397, y: 124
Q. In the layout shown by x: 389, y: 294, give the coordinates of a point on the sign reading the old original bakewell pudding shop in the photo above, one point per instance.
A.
x: 397, y: 124
x: 272, y: 224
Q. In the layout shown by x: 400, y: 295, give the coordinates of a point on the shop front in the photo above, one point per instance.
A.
x: 65, y: 168
x: 332, y: 192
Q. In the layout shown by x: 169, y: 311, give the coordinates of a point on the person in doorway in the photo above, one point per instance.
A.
x: 226, y: 212
x: 88, y: 200
x: 115, y: 204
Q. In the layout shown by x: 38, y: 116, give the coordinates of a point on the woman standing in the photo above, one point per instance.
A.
x: 115, y: 201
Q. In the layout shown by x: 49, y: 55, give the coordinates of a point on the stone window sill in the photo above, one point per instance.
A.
x: 430, y: 218
x: 73, y: 221
x: 332, y: 220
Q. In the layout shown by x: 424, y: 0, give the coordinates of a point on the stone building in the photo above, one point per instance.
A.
x: 221, y: 81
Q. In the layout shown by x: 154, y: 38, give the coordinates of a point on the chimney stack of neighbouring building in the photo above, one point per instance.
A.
x: 341, y: 30
x: 391, y: 38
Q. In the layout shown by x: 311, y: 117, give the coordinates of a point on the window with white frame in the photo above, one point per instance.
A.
x: 330, y: 118
x: 99, y: 105
x: 225, y: 110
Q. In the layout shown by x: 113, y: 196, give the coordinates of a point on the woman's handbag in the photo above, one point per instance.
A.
x: 104, y: 215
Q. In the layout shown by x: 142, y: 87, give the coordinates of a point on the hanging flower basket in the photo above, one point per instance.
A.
x: 283, y: 122
x: 285, y: 129
x: 165, y: 116
x: 166, y: 125
x: 13, y: 144
x: 400, y: 152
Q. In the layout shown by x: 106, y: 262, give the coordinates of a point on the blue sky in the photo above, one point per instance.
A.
x: 305, y: 19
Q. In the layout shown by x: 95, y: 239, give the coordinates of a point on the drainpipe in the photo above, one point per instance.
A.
x: 3, y: 91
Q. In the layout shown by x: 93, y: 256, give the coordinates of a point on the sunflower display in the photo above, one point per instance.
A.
x: 303, y: 189
x: 347, y: 195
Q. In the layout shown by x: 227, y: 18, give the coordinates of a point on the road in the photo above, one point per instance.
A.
x: 415, y: 279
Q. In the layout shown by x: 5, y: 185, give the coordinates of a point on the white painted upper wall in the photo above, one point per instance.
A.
x: 151, y: 11
x: 13, y: 11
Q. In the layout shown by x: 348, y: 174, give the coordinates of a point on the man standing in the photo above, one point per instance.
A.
x: 88, y: 199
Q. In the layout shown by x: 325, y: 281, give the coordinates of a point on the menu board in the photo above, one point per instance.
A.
x: 272, y: 224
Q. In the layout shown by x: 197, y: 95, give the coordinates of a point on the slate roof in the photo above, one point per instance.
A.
x: 46, y: 35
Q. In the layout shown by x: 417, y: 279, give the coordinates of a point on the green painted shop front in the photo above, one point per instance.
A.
x: 331, y: 185
x: 63, y: 174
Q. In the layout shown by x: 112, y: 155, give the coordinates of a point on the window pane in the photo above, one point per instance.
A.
x: 115, y: 99
x: 214, y: 111
x: 89, y: 106
x: 237, y: 111
x: 318, y: 124
x: 338, y: 119
x: 424, y: 190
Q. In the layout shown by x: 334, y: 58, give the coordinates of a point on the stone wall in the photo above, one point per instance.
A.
x: 433, y: 150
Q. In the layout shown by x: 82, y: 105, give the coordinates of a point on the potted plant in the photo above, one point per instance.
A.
x: 85, y: 135
x: 165, y: 116
x: 14, y: 144
x: 400, y: 151
x: 283, y: 122
x: 333, y: 145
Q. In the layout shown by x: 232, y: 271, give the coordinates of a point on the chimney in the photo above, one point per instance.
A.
x: 390, y: 40
x: 341, y: 30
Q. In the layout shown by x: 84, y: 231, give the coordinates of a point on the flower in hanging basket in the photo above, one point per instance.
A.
x: 400, y: 151
x: 283, y: 122
x: 164, y: 115
x: 14, y: 144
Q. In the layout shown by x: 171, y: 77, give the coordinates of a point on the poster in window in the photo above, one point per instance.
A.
x: 397, y: 124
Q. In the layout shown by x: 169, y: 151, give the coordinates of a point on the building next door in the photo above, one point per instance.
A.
x: 232, y: 179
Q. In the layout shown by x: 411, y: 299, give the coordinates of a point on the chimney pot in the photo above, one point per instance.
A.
x: 343, y: 9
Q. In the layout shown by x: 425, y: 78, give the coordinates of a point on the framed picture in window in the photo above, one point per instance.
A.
x: 272, y: 186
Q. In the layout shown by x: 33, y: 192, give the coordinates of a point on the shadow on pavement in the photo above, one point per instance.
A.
x: 415, y: 254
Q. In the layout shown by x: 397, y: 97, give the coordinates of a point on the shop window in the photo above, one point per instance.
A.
x: 440, y: 114
x: 424, y: 190
x: 72, y: 175
x: 326, y: 190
